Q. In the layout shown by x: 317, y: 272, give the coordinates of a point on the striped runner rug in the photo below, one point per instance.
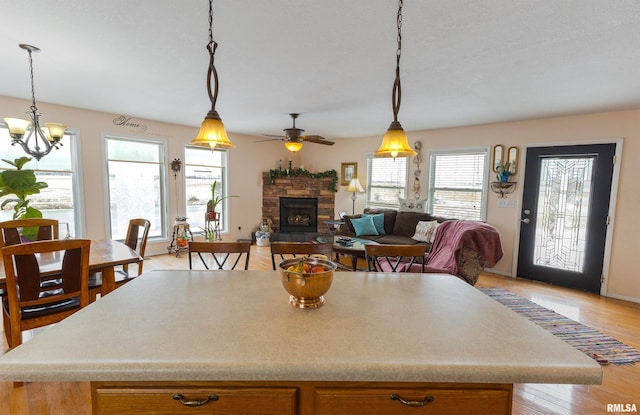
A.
x: 602, y: 348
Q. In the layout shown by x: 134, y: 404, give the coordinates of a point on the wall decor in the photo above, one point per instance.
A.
x: 176, y: 166
x: 348, y: 171
x: 498, y: 157
x: 417, y: 159
x: 513, y: 154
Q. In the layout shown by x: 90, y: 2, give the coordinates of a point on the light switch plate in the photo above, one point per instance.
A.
x: 506, y: 203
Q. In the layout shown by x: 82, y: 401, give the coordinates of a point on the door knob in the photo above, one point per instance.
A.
x: 525, y: 220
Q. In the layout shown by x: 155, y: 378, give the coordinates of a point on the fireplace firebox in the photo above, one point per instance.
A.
x: 298, y: 214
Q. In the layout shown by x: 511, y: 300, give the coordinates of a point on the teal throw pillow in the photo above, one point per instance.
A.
x: 378, y: 222
x: 364, y: 226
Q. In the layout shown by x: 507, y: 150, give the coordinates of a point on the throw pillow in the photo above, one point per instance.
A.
x: 426, y: 231
x: 364, y: 226
x: 378, y: 222
x: 412, y: 205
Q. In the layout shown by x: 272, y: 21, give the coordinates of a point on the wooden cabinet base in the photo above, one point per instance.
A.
x: 300, y: 398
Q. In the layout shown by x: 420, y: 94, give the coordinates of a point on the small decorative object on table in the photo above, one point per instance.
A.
x: 345, y: 241
x: 306, y: 280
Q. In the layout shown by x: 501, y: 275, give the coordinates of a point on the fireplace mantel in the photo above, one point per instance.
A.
x: 297, y: 186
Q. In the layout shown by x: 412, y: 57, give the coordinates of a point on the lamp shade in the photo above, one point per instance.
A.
x: 212, y: 134
x: 293, y: 146
x: 395, y: 144
x: 56, y: 130
x: 355, y: 186
x: 17, y: 126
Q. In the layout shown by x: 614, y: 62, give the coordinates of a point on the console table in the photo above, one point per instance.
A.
x: 229, y: 340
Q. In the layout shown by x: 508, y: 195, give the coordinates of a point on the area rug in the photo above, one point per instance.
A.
x: 602, y: 348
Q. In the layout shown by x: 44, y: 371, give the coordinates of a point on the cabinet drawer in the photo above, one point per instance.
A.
x: 228, y: 401
x: 449, y: 401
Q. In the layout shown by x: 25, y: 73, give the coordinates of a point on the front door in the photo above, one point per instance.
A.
x: 565, y: 208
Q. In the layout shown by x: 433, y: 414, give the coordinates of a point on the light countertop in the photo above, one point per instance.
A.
x: 238, y: 325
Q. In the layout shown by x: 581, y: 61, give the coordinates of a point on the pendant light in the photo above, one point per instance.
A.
x: 212, y: 133
x: 395, y: 143
x: 39, y: 140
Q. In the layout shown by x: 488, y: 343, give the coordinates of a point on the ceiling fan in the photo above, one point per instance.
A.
x: 294, y: 137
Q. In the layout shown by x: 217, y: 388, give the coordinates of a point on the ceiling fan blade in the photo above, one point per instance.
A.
x: 278, y: 138
x: 272, y: 135
x: 317, y: 139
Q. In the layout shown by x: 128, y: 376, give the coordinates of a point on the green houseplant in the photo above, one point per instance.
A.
x: 216, y: 199
x: 21, y: 183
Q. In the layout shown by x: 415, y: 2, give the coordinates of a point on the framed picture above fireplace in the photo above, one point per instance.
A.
x: 348, y: 171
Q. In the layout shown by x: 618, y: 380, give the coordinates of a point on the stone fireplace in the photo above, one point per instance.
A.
x: 298, y: 187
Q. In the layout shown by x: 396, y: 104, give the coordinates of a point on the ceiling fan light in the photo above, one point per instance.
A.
x: 395, y: 143
x: 17, y: 126
x: 212, y: 134
x: 293, y: 146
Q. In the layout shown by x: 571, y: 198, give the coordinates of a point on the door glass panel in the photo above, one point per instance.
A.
x: 563, y: 209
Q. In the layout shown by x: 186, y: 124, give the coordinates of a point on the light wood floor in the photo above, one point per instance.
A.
x: 619, y: 319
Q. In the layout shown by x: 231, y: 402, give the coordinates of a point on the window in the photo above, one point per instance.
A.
x: 60, y: 200
x: 386, y: 181
x: 457, y: 183
x: 201, y: 168
x: 137, y: 184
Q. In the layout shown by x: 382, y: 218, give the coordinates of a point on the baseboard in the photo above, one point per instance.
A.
x: 501, y: 273
x: 623, y: 297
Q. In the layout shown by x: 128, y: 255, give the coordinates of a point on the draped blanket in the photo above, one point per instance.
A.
x: 452, y: 235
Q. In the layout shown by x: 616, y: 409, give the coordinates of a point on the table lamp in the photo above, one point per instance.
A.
x: 355, y: 187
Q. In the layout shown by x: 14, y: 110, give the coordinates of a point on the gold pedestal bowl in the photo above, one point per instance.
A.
x: 306, y: 289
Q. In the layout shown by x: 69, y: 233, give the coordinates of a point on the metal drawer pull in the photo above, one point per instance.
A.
x: 180, y: 398
x: 413, y: 404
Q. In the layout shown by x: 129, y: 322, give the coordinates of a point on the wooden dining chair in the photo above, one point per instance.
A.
x: 30, y: 304
x: 395, y: 258
x: 136, y: 239
x: 298, y: 248
x: 11, y: 230
x: 221, y: 252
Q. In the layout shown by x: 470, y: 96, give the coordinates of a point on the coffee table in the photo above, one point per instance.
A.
x: 355, y: 250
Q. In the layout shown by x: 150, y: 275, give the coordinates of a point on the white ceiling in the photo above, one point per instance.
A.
x: 464, y: 62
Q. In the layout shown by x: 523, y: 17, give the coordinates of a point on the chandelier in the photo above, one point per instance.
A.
x: 394, y: 143
x: 212, y: 133
x: 39, y: 140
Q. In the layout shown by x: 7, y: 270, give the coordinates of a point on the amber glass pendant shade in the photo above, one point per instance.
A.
x: 212, y: 134
x: 395, y: 144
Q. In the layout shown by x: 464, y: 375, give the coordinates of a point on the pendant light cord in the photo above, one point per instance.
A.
x: 211, y: 47
x: 33, y: 88
x: 397, y: 93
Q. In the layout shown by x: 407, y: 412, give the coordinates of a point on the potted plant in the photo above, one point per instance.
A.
x: 21, y: 183
x: 216, y: 199
x: 503, y: 172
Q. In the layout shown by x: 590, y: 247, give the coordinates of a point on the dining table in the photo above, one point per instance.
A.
x: 104, y: 256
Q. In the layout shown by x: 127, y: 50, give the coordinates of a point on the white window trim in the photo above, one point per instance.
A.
x: 485, y: 181
x: 166, y: 226
x: 224, y: 226
x: 368, y: 158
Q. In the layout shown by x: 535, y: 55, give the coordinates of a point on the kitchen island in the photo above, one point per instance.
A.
x: 204, y: 341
